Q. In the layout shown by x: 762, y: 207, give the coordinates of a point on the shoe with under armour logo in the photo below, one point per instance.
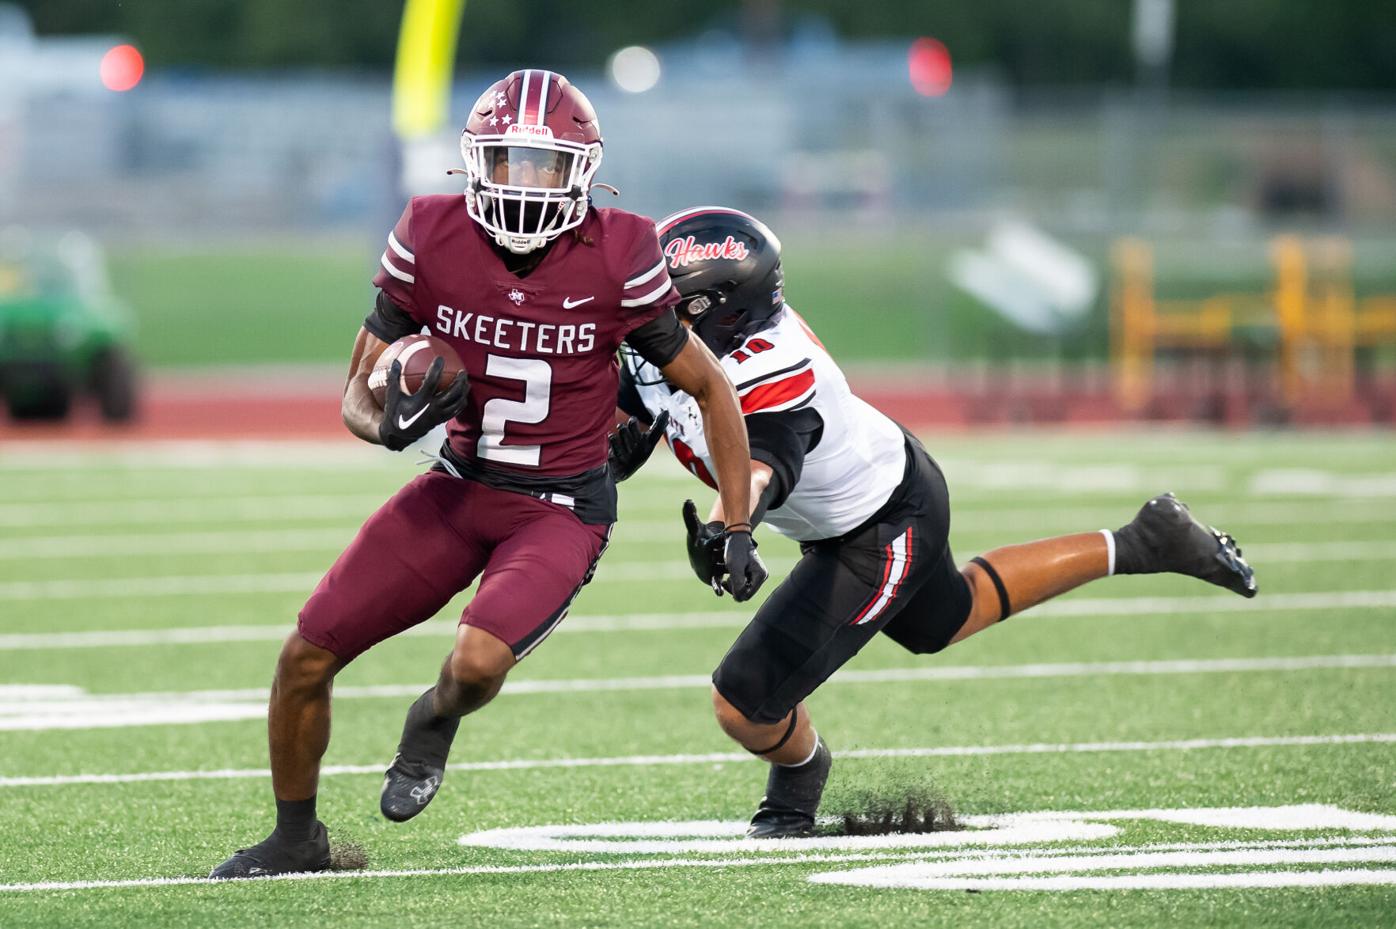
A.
x: 414, y: 776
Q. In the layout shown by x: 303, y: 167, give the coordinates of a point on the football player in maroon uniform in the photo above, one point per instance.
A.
x: 536, y: 290
x: 865, y: 501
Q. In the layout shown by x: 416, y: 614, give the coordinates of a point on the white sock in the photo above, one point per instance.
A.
x: 808, y: 758
x: 1110, y: 551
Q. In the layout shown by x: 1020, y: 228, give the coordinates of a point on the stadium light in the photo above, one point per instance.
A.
x: 122, y: 68
x: 929, y: 68
x: 634, y: 69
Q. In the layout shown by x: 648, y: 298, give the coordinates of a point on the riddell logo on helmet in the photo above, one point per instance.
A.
x: 683, y: 252
x: 542, y: 132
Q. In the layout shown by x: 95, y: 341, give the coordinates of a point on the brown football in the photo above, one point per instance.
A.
x: 415, y: 353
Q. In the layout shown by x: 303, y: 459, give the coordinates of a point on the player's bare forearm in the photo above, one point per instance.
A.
x: 360, y: 411
x: 696, y: 372
x: 761, y: 475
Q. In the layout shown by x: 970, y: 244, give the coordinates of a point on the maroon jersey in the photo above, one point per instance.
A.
x: 540, y: 351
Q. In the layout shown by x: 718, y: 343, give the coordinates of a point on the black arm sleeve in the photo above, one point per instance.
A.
x: 660, y: 340
x: 390, y: 322
x: 628, y: 396
x: 782, y: 440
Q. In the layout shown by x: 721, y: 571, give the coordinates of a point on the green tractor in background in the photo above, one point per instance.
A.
x: 63, y: 335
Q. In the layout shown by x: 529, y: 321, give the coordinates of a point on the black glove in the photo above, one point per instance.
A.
x: 408, y: 417
x: 705, y: 547
x: 631, y: 447
x: 745, y: 570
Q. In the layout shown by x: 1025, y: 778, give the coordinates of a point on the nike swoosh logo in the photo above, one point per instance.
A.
x: 568, y: 302
x: 406, y: 423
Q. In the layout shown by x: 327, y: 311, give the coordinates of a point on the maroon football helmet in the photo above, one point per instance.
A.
x: 531, y: 147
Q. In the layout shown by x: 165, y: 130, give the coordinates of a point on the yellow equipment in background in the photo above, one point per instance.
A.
x: 1311, y: 317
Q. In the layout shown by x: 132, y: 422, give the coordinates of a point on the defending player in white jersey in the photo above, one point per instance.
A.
x: 865, y: 501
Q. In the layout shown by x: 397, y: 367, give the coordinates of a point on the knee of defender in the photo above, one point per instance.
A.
x: 476, y: 670
x: 303, y: 666
x: 729, y: 718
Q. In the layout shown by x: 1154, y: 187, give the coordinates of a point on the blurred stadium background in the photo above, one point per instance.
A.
x: 1102, y: 210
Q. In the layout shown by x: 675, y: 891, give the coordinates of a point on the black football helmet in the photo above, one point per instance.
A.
x: 726, y: 266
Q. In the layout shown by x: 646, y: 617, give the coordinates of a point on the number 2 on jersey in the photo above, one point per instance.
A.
x: 537, y: 376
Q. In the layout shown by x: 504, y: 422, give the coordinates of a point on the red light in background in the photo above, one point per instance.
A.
x: 928, y: 66
x: 122, y: 68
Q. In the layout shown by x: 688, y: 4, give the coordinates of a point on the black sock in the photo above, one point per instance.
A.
x: 295, y: 819
x: 427, y: 732
x: 1132, y: 554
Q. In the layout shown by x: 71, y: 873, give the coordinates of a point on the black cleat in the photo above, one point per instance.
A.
x: 1165, y: 536
x: 274, y: 855
x: 792, y: 798
x: 415, y: 775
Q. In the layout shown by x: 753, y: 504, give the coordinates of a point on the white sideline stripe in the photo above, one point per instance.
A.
x: 529, y: 764
x: 652, y: 622
x: 260, y: 541
x: 844, y: 676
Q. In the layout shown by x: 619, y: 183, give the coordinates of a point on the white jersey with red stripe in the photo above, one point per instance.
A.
x: 859, y: 459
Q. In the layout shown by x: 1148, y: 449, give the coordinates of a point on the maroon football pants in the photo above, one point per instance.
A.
x: 429, y: 542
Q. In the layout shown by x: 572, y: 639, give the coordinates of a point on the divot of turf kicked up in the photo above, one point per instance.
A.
x: 891, y: 808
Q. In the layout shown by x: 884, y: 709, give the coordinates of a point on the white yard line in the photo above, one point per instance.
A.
x: 179, y: 585
x: 632, y: 865
x: 261, y: 541
x: 58, y: 707
x: 331, y: 540
x: 1087, y: 854
x: 281, y: 508
x: 286, y: 508
x: 1074, y: 607
x: 844, y: 676
x: 529, y: 764
x: 202, y: 635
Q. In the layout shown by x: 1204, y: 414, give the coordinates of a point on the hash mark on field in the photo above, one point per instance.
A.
x: 526, y: 764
